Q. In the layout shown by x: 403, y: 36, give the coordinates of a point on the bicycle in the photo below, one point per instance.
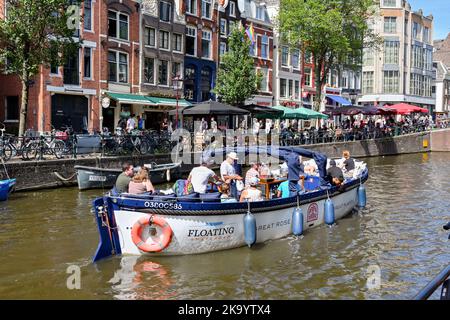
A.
x: 47, y: 144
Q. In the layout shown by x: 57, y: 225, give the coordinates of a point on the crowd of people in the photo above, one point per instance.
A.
x: 229, y: 184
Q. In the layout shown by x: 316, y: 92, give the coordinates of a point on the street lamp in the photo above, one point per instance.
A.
x: 175, y: 83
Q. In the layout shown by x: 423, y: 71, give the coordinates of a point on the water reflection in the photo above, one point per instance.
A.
x: 44, y: 232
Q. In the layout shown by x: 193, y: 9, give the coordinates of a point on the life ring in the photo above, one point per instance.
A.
x: 154, y: 246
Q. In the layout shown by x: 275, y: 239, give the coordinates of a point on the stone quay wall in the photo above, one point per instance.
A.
x: 33, y: 175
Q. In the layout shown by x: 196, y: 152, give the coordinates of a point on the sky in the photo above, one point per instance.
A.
x: 440, y: 9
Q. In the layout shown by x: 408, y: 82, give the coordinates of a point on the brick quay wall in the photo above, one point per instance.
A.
x: 33, y: 175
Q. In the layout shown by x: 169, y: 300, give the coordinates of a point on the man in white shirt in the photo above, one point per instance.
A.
x: 131, y: 123
x: 228, y: 173
x: 201, y: 175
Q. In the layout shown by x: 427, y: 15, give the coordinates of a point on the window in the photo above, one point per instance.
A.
x: 163, y: 40
x: 176, y: 70
x: 406, y: 27
x: 308, y: 56
x: 284, y: 56
x: 368, y: 57
x: 150, y: 37
x: 426, y: 34
x: 117, y: 25
x: 391, y: 82
x: 165, y: 10
x: 189, y: 82
x: 191, y: 43
x: 12, y: 108
x: 391, y: 52
x: 87, y: 62
x: 416, y: 84
x: 283, y: 91
x: 367, y: 85
x: 265, y: 47
x: 191, y: 6
x: 177, y: 40
x: 295, y: 58
x: 417, y: 60
x: 252, y: 49
x: 223, y: 27
x: 206, y: 44
x: 206, y: 83
x: 232, y: 9
x: 118, y: 67
x: 231, y: 25
x: 263, y: 86
x: 297, y: 89
x: 206, y: 9
x: 389, y: 3
x: 308, y: 76
x: 260, y: 13
x: 390, y: 24
x: 71, y: 69
x: 149, y: 70
x: 87, y: 17
x: 223, y: 48
x: 163, y: 73
x: 417, y: 29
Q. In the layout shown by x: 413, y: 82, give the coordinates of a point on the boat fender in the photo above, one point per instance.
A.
x: 151, y: 246
x: 445, y: 292
x: 361, y: 196
x: 250, y: 229
x: 297, y: 221
x: 329, y: 212
x: 168, y: 175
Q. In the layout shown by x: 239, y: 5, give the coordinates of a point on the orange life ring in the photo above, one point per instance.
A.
x: 155, y: 246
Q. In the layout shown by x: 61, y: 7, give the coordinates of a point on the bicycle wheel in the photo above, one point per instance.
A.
x: 58, y: 148
x: 31, y: 150
x: 144, y: 147
x: 7, y: 152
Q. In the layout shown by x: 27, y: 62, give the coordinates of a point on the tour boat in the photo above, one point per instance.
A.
x: 6, y: 187
x: 164, y: 225
x: 96, y: 177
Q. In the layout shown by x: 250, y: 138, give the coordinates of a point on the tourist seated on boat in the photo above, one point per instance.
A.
x: 311, y: 167
x: 334, y: 174
x: 226, y: 194
x: 252, y: 172
x: 200, y: 176
x: 252, y: 194
x: 283, y: 190
x: 140, y: 183
x: 348, y: 164
x: 124, y: 178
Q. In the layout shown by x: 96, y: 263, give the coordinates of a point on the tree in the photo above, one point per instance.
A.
x: 333, y: 31
x: 237, y: 79
x: 34, y: 34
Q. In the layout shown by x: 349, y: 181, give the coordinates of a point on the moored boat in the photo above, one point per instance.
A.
x: 6, y: 187
x: 167, y: 225
x: 95, y: 177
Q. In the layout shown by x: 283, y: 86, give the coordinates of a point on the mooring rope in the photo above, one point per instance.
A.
x: 60, y: 177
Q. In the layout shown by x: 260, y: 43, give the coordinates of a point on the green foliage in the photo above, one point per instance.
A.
x: 237, y: 79
x: 35, y: 33
x: 334, y: 31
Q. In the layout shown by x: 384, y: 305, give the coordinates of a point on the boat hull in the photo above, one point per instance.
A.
x: 6, y: 187
x: 200, y: 227
x: 200, y: 234
x: 99, y: 178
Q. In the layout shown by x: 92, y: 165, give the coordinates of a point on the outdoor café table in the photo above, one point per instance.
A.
x: 266, y: 183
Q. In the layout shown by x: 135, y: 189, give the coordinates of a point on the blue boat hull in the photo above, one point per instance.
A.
x: 6, y: 186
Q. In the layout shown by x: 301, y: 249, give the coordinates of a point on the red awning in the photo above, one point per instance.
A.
x: 404, y: 108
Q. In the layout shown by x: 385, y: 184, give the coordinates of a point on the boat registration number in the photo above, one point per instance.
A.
x: 97, y: 178
x: 163, y: 205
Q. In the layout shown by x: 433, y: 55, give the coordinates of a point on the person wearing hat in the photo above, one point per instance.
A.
x: 200, y: 176
x: 252, y: 194
x: 228, y: 173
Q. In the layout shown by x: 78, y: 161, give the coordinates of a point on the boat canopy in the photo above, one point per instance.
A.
x: 282, y: 153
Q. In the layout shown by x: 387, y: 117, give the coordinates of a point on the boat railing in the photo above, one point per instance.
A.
x: 441, y: 279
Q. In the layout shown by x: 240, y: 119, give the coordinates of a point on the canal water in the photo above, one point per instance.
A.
x: 44, y: 234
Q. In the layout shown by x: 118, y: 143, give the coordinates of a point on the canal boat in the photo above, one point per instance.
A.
x: 168, y: 225
x: 96, y: 177
x: 6, y: 187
